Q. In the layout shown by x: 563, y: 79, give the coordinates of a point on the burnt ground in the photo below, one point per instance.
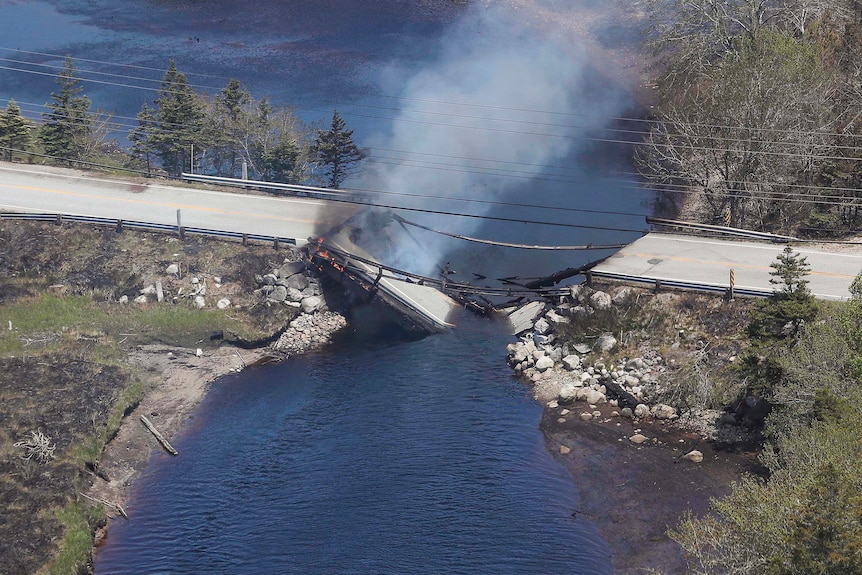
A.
x: 635, y: 493
x: 67, y: 363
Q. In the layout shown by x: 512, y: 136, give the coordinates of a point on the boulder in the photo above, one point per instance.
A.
x: 626, y: 412
x: 544, y: 363
x: 173, y: 270
x: 294, y: 294
x: 582, y: 348
x: 141, y: 299
x: 291, y: 269
x: 267, y: 280
x: 638, y: 438
x: 279, y: 294
x: 542, y: 327
x: 149, y: 290
x: 311, y: 304
x: 518, y: 355
x: 555, y: 319
x: 223, y: 303
x: 541, y: 339
x: 568, y: 393
x: 579, y: 292
x: 600, y: 301
x: 606, y: 343
x: 586, y: 416
x: 636, y: 363
x: 662, y: 411
x: 641, y: 410
x: 200, y: 302
x: 593, y: 397
x: 556, y: 354
x: 564, y: 450
x: 571, y: 362
x: 298, y: 281
x: 622, y: 295
x: 694, y: 456
x: 124, y: 299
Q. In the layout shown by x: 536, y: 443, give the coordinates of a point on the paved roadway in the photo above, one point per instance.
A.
x: 669, y: 257
x: 56, y: 190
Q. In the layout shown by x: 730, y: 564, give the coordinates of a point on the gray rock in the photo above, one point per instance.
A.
x: 582, y: 348
x: 544, y: 363
x: 594, y: 397
x: 298, y: 281
x: 556, y: 354
x: 200, y: 302
x: 636, y: 363
x: 622, y: 295
x: 694, y: 456
x: 606, y: 343
x: 124, y: 299
x: 173, y: 270
x: 638, y: 438
x: 149, y: 290
x: 555, y: 319
x: 279, y: 294
x: 223, y: 303
x: 540, y: 339
x: 627, y: 412
x: 294, y: 294
x: 290, y: 269
x: 267, y: 280
x: 579, y: 292
x: 568, y: 393
x: 586, y: 416
x: 571, y: 362
x: 542, y: 327
x: 727, y: 419
x: 310, y: 304
x: 600, y: 301
x: 641, y: 410
x: 141, y: 299
x: 662, y: 411
x: 160, y: 293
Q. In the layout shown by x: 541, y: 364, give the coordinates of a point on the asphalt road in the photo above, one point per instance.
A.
x: 669, y: 257
x: 56, y: 190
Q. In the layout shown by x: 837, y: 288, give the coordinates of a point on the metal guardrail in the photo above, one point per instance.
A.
x: 59, y: 218
x: 738, y: 232
x: 676, y: 284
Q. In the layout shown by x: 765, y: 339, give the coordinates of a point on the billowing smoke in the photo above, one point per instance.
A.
x: 500, y: 103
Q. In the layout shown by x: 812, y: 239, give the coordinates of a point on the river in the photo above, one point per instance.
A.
x: 378, y: 456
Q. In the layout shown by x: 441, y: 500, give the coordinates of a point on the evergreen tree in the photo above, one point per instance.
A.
x: 68, y: 126
x: 335, y: 152
x: 791, y: 301
x: 788, y: 272
x: 14, y: 130
x: 140, y: 136
x: 180, y: 121
x: 231, y: 118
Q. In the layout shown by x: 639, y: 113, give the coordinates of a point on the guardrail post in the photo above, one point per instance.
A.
x: 59, y: 220
x: 245, y: 239
x: 657, y: 286
x: 275, y: 243
x: 732, y: 285
x: 119, y: 226
x: 588, y: 278
x: 180, y: 231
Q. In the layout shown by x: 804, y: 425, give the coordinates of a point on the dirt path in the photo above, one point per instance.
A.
x: 633, y: 493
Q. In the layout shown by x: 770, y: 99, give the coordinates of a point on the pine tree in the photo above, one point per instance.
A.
x: 788, y: 272
x: 180, y: 121
x: 335, y: 152
x: 140, y: 136
x: 68, y: 126
x: 14, y: 131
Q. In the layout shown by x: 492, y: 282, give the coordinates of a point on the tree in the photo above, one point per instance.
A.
x: 180, y: 121
x: 744, y: 131
x: 15, y: 132
x: 791, y: 303
x: 68, y: 126
x: 334, y: 151
x: 141, y: 136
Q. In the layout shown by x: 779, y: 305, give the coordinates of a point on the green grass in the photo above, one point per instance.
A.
x: 170, y: 324
x: 77, y: 541
x: 44, y: 319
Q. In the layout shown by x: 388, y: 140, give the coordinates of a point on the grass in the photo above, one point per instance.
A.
x: 77, y: 540
x: 44, y: 318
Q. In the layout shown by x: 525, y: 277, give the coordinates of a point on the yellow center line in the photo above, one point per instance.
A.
x: 154, y: 203
x: 737, y: 266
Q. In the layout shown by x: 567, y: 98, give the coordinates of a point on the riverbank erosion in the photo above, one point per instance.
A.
x: 101, y: 328
x: 643, y: 406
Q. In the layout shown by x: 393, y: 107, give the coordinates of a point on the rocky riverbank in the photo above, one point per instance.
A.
x: 621, y: 413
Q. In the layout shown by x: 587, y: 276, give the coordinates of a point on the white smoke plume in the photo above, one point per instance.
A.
x: 500, y: 95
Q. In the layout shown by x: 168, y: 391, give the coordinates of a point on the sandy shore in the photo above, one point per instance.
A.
x: 634, y: 493
x: 179, y: 380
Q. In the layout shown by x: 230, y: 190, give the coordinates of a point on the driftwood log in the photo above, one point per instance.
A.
x: 165, y: 443
x: 115, y: 506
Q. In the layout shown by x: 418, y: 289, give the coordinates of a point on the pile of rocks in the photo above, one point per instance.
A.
x: 293, y: 286
x: 561, y: 376
x: 309, y: 331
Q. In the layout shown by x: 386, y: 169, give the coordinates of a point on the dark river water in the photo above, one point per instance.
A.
x: 415, y: 457
x: 377, y: 457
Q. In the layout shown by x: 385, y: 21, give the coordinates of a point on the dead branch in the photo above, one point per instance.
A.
x: 168, y: 447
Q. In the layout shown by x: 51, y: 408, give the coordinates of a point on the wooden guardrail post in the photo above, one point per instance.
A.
x: 180, y: 231
x: 732, y: 285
